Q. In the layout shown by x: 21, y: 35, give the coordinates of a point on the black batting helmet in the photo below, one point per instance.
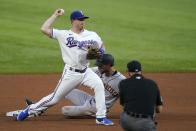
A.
x: 106, y: 59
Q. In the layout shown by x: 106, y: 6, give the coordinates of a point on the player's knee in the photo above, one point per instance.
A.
x: 65, y: 110
x: 70, y: 111
x: 98, y: 86
x: 97, y: 83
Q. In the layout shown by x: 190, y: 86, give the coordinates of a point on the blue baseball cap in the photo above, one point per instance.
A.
x: 78, y: 15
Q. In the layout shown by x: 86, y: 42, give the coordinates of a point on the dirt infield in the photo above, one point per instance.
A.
x: 178, y: 91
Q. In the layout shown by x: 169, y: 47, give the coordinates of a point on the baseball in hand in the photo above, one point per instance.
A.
x: 61, y: 11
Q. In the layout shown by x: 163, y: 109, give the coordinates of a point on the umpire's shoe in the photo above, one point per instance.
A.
x: 104, y: 121
x: 23, y: 114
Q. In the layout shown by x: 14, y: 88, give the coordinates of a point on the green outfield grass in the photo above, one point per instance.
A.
x: 159, y: 33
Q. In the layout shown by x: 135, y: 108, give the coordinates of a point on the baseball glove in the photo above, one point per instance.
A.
x: 93, y: 52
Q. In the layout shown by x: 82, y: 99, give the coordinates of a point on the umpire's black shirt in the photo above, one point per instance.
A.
x: 139, y: 95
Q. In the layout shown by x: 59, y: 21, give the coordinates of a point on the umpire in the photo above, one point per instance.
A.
x: 140, y: 98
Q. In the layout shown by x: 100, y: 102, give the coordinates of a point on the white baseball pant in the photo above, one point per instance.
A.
x: 69, y: 81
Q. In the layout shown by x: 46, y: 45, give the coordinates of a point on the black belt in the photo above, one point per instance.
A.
x: 139, y: 115
x: 77, y: 70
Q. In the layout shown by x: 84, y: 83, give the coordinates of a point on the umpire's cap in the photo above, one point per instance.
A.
x: 78, y: 15
x: 106, y: 59
x: 134, y: 66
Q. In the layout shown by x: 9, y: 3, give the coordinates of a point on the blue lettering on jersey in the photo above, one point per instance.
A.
x: 72, y: 43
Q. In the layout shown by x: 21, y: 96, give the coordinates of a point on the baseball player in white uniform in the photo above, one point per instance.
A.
x: 84, y: 104
x: 74, y: 47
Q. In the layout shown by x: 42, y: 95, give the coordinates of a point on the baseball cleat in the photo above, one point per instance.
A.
x: 104, y: 121
x: 23, y: 114
x: 30, y: 102
x: 13, y: 113
x: 16, y: 112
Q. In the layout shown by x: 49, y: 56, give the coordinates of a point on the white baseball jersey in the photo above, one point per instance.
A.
x: 111, y: 86
x: 74, y: 46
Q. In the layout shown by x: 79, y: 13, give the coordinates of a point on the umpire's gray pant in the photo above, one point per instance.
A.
x: 129, y: 123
